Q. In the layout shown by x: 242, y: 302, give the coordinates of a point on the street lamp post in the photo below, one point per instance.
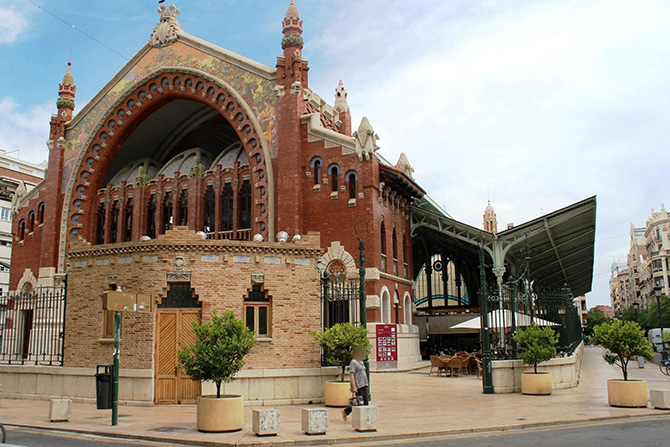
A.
x: 636, y: 308
x: 657, y: 292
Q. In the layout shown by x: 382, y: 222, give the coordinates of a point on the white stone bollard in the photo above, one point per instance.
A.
x: 59, y: 410
x: 315, y: 421
x: 660, y: 399
x: 265, y: 422
x: 365, y: 418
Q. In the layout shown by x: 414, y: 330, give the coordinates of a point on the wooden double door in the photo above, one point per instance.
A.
x: 174, y: 330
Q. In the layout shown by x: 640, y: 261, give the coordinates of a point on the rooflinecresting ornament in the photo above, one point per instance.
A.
x: 365, y: 139
x: 167, y: 30
x: 404, y: 166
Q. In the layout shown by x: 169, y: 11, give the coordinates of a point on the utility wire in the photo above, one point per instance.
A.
x: 79, y: 30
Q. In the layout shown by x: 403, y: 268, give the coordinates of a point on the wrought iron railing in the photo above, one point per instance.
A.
x: 32, y: 327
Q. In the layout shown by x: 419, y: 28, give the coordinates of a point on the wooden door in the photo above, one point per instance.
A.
x: 174, y: 330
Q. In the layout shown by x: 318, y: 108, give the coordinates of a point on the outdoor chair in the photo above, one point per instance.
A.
x: 436, y: 363
x: 455, y: 365
x: 445, y: 358
x: 479, y: 367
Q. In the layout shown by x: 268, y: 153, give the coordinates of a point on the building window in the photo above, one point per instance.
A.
x: 6, y: 214
x: 151, y: 216
x: 227, y: 208
x: 382, y: 232
x: 31, y: 222
x: 100, y: 235
x: 210, y: 200
x: 316, y: 165
x: 351, y: 179
x: 257, y: 312
x: 183, y: 208
x: 40, y: 213
x: 115, y: 222
x: 128, y: 230
x: 168, y: 207
x: 334, y: 173
x: 22, y: 229
x: 394, y: 240
x: 244, y: 204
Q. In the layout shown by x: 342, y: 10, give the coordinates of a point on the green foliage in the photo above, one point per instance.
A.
x: 665, y: 336
x: 338, y: 341
x: 648, y: 318
x: 623, y: 341
x: 536, y: 344
x: 594, y: 318
x: 219, y: 350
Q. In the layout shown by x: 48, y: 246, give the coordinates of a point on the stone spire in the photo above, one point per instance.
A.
x: 490, y: 219
x: 66, y: 93
x: 292, y: 29
x: 341, y: 103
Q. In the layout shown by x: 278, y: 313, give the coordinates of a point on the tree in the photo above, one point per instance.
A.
x: 338, y: 342
x: 622, y: 341
x: 594, y: 318
x: 536, y: 344
x: 219, y: 350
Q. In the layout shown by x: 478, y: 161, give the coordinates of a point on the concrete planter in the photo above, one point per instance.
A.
x: 220, y: 414
x: 338, y: 394
x: 539, y: 384
x: 627, y: 393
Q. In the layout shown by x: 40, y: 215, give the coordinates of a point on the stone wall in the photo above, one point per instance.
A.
x: 565, y: 372
x: 408, y: 346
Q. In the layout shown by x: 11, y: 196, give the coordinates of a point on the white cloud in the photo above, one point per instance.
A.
x: 25, y: 130
x: 548, y: 102
x: 11, y: 25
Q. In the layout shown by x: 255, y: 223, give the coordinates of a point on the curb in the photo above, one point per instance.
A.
x: 342, y: 441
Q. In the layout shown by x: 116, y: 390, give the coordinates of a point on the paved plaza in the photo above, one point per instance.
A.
x: 411, y: 404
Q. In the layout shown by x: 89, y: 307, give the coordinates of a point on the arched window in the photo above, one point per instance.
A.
x: 183, y: 208
x: 334, y: 173
x: 40, y: 213
x: 227, y: 208
x: 168, y: 210
x: 22, y: 229
x: 404, y: 257
x: 394, y: 241
x: 115, y: 222
x: 257, y: 312
x: 151, y: 216
x: 100, y: 235
x: 31, y: 222
x: 407, y: 309
x: 128, y: 230
x: 386, y: 307
x: 210, y: 215
x: 316, y: 166
x: 351, y: 178
x: 382, y: 234
x: 244, y: 205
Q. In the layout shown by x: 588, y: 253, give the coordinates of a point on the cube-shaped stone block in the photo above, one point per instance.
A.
x: 660, y: 399
x: 315, y: 421
x: 365, y: 418
x: 59, y: 410
x: 265, y: 422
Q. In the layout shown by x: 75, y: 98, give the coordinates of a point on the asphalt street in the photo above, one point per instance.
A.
x: 614, y: 433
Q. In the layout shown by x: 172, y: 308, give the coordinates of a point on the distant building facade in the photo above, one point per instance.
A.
x: 607, y: 310
x: 637, y: 257
x: 619, y: 287
x: 580, y: 304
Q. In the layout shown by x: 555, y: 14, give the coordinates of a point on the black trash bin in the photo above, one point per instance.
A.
x: 103, y: 386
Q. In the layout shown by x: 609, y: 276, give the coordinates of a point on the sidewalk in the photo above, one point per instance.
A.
x: 411, y: 404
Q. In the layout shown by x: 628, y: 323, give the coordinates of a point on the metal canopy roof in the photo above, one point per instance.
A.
x: 561, y: 244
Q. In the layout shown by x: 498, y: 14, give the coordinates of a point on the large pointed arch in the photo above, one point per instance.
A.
x: 140, y: 101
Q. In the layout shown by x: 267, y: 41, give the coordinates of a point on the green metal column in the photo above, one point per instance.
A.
x: 324, y: 284
x: 487, y: 373
x: 362, y: 297
x: 115, y: 377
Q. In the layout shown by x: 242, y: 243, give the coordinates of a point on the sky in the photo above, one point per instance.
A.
x: 533, y: 104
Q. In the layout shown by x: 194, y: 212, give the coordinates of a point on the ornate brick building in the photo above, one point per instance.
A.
x: 198, y: 176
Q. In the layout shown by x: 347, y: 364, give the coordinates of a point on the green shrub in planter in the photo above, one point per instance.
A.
x: 339, y: 341
x: 623, y: 341
x: 536, y: 344
x: 219, y: 350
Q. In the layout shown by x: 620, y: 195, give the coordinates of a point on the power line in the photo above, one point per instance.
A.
x: 71, y: 25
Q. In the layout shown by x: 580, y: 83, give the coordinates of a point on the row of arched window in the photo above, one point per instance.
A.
x: 333, y: 173
x: 33, y: 220
x: 394, y: 250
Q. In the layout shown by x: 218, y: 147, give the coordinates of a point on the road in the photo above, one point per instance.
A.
x: 614, y: 433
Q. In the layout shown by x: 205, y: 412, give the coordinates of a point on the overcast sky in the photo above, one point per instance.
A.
x: 545, y: 103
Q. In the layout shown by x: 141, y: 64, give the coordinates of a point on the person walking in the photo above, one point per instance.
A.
x: 357, y: 378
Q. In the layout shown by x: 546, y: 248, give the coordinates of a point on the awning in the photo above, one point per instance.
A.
x: 502, y: 319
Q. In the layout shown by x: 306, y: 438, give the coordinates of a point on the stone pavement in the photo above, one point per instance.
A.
x: 411, y: 404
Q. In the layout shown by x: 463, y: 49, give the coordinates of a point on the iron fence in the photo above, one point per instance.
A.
x: 339, y: 301
x: 32, y: 327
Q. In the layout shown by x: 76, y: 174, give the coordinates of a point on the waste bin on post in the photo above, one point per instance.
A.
x: 103, y: 386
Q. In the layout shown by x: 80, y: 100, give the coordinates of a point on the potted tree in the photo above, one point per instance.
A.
x: 217, y: 355
x: 536, y: 345
x: 337, y: 343
x: 624, y: 341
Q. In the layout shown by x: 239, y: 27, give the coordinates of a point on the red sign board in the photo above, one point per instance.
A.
x: 387, y: 343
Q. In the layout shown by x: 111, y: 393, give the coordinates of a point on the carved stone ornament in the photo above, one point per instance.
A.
x: 404, y: 166
x: 365, y: 139
x: 167, y: 30
x: 179, y: 262
x: 112, y: 279
x: 257, y: 278
x: 178, y: 276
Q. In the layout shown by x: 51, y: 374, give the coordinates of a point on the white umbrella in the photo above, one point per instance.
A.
x: 498, y: 319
